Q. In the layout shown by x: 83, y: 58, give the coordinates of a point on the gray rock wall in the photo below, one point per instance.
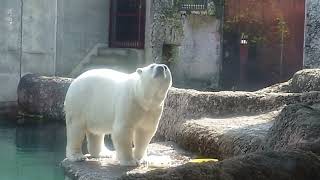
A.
x: 198, y: 63
x: 312, y: 34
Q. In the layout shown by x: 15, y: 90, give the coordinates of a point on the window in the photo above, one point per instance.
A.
x: 127, y: 23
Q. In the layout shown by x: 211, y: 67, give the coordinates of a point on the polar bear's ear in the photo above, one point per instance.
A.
x: 139, y: 71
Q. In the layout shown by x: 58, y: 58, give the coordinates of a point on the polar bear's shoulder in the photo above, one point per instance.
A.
x: 105, y: 74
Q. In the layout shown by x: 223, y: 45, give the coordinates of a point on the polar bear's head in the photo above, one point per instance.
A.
x: 153, y: 83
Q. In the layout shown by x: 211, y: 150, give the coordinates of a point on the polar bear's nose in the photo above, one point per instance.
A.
x: 159, y: 71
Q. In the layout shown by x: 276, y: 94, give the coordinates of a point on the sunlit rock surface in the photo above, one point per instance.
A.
x: 285, y: 165
x: 108, y: 168
x: 273, y: 133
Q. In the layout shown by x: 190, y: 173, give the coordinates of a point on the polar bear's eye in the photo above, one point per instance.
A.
x: 152, y: 66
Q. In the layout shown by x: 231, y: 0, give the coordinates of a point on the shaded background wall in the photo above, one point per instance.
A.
x: 10, y: 48
x: 189, y: 42
x: 81, y: 25
x: 199, y: 61
x: 263, y: 42
x: 312, y: 35
x: 51, y: 37
x: 47, y: 36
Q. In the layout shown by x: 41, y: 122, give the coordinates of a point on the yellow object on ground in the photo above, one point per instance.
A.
x: 203, y: 160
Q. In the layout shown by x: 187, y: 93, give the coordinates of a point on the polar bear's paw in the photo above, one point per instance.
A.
x: 105, y: 153
x: 144, y: 161
x: 77, y: 157
x: 129, y: 163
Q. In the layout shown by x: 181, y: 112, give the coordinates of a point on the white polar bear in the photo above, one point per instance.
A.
x: 127, y: 106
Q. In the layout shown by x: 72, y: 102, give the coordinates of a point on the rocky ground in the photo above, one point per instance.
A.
x: 273, y: 133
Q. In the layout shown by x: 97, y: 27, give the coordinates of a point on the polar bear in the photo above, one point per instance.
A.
x: 127, y: 106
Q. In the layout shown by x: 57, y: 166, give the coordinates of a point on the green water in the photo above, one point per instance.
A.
x: 31, y: 152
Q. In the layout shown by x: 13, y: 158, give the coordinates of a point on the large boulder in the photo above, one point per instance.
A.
x: 305, y: 80
x: 296, y: 127
x: 41, y: 95
x: 223, y: 137
x: 223, y: 124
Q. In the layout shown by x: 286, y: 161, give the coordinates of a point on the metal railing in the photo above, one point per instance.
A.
x: 195, y: 5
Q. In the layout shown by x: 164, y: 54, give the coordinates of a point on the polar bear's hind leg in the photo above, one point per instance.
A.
x: 96, y: 146
x: 75, y: 136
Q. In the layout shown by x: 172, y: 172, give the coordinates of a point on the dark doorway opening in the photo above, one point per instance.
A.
x: 127, y: 23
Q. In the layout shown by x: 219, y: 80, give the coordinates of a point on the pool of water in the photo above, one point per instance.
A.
x: 31, y: 152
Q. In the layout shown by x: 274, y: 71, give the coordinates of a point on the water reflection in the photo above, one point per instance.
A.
x: 31, y: 151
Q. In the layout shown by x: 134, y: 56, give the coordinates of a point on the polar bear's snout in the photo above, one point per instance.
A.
x: 160, y: 70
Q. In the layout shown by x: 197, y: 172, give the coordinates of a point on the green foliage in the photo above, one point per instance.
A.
x: 249, y: 21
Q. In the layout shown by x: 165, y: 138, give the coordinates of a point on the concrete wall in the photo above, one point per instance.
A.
x: 48, y: 37
x: 312, y: 35
x: 199, y: 59
x: 38, y: 36
x: 81, y: 25
x: 10, y: 44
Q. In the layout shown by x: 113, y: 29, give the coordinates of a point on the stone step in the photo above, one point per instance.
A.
x: 105, y: 51
x: 103, y: 60
x: 107, y: 168
x: 127, y: 56
x: 110, y: 63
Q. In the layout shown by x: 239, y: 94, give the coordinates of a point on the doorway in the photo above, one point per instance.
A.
x: 127, y: 24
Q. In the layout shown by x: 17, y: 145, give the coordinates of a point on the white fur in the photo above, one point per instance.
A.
x: 127, y: 106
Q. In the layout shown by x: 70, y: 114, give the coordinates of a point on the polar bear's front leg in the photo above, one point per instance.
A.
x: 75, y: 136
x: 122, y: 141
x: 141, y: 140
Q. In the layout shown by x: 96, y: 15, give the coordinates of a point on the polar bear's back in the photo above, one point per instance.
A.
x: 106, y: 74
x: 93, y: 90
